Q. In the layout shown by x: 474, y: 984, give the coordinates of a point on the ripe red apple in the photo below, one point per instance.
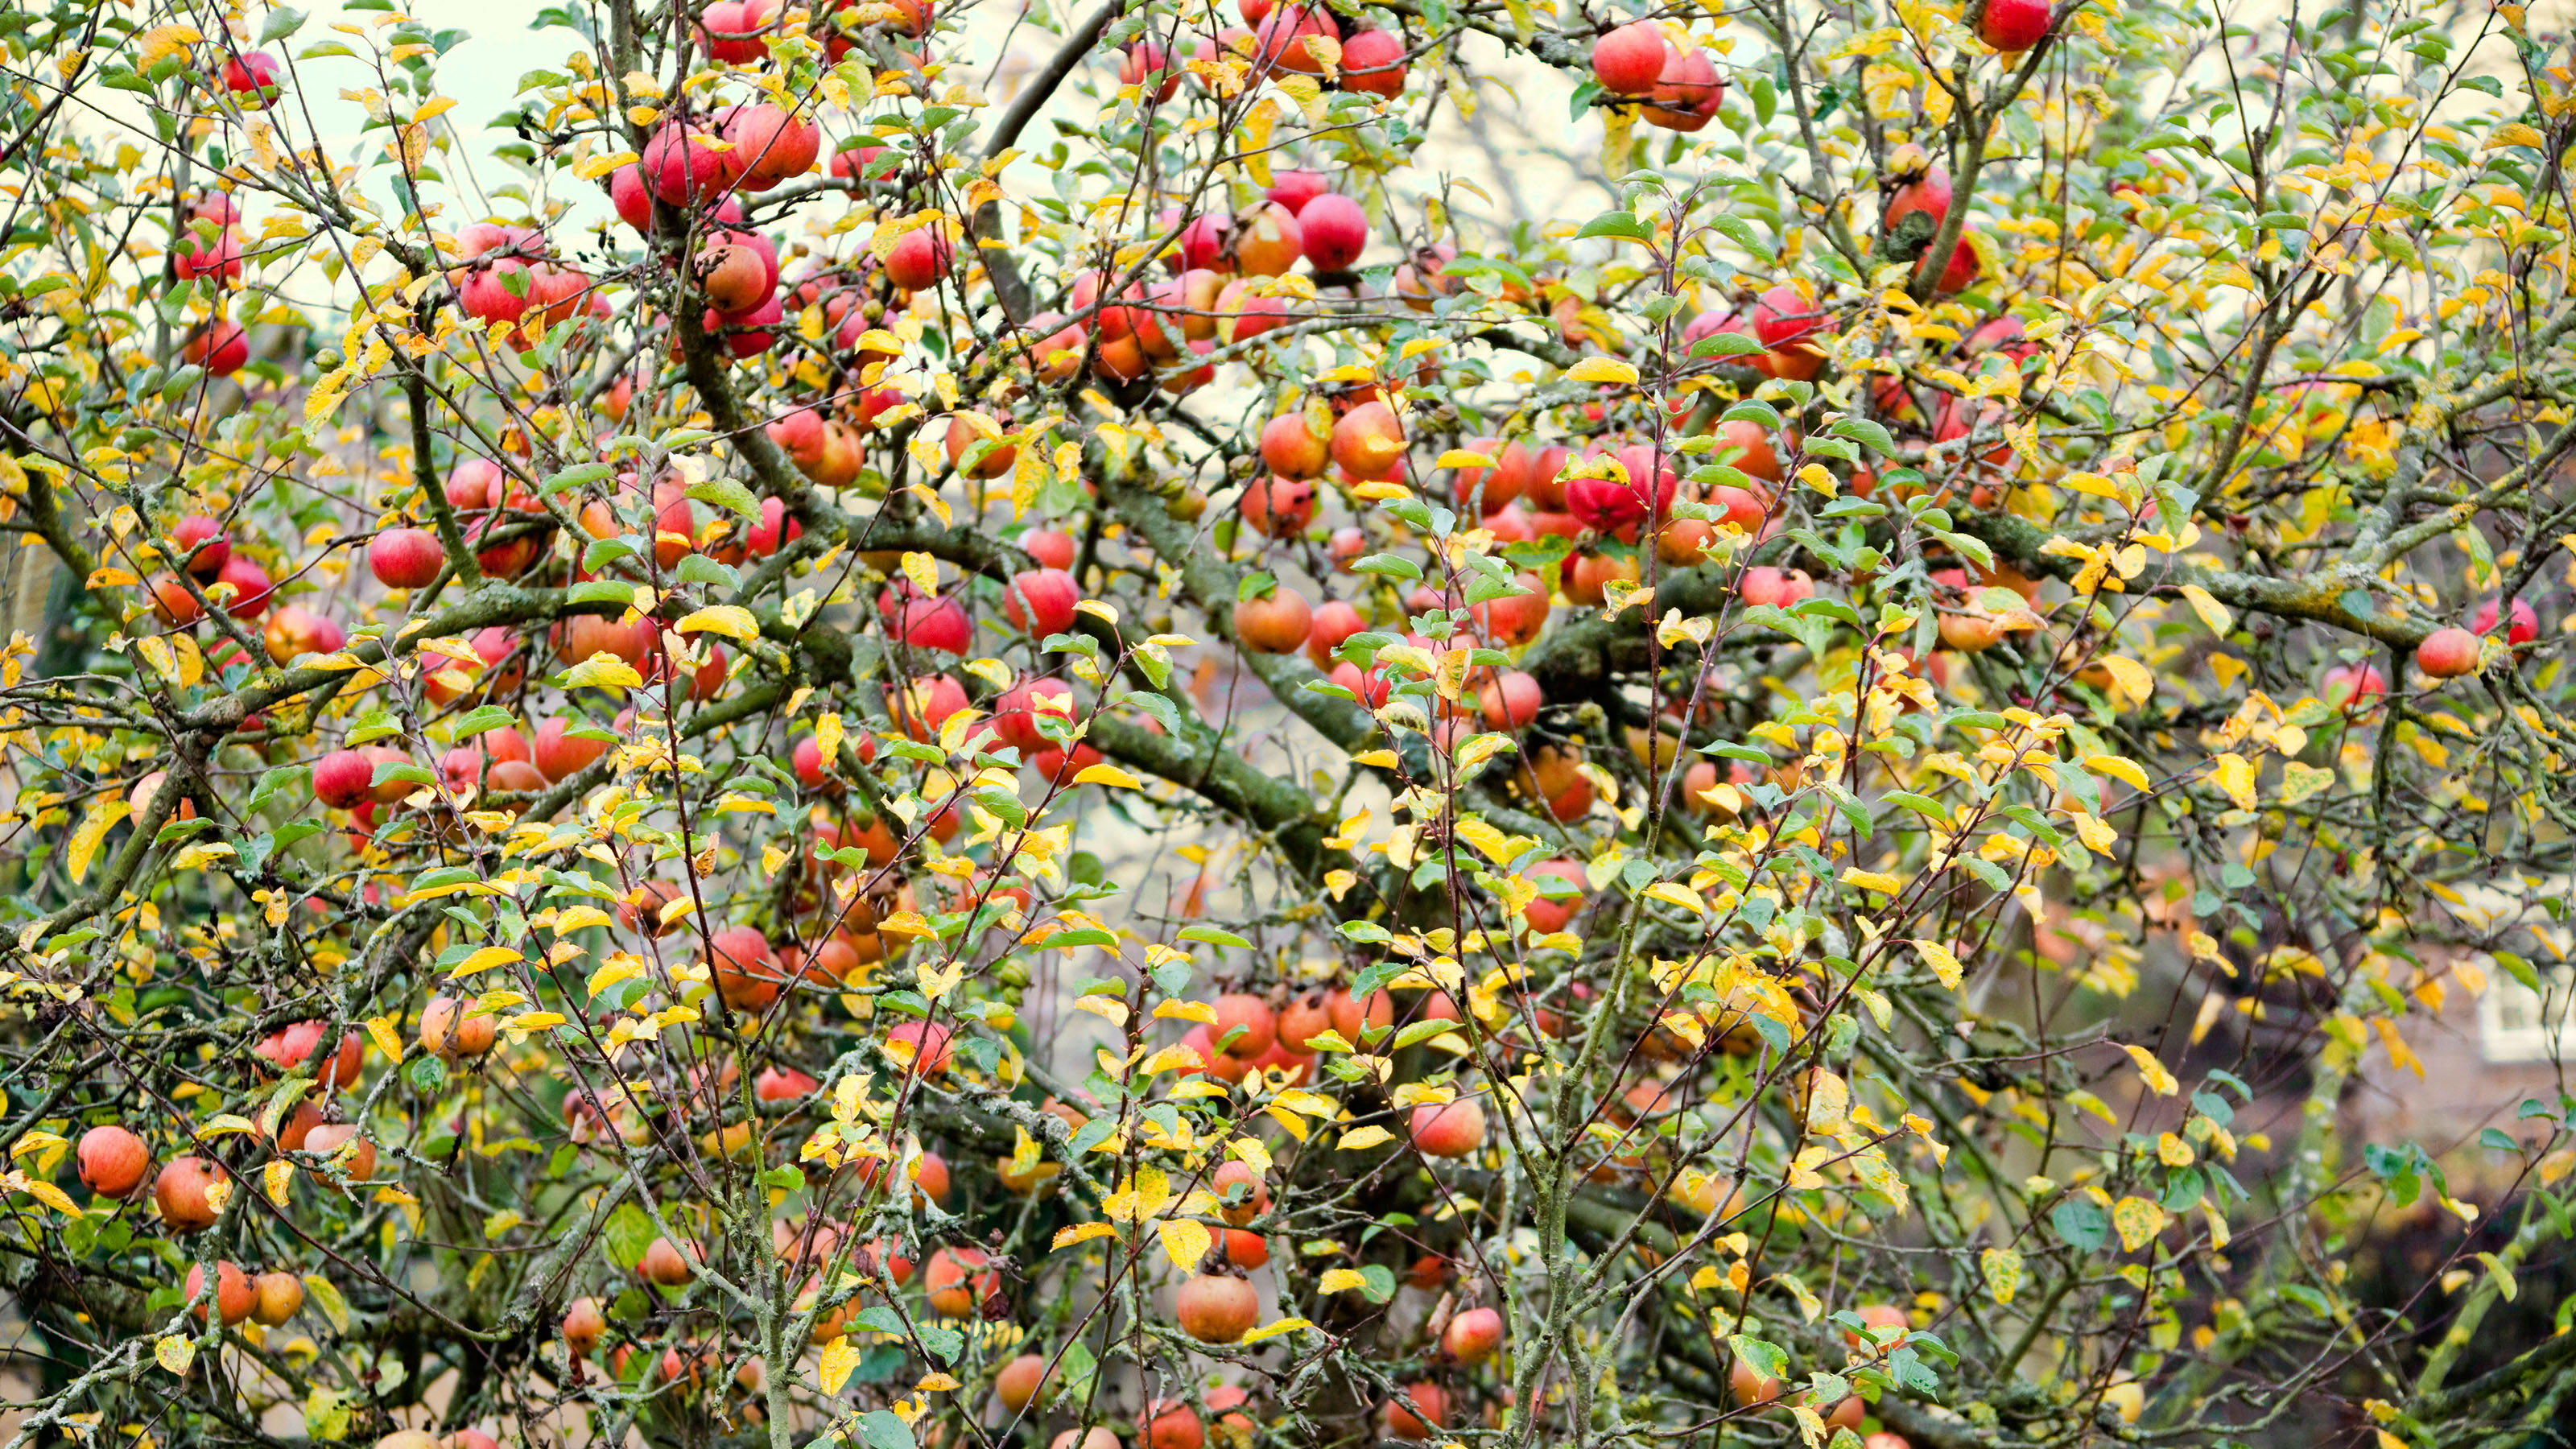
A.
x: 2352, y: 686
x: 919, y: 260
x: 1294, y: 188
x: 1276, y: 623
x: 295, y: 631
x: 1015, y: 713
x: 1052, y: 548
x: 1629, y: 60
x: 180, y: 1194
x: 2012, y: 26
x: 1372, y: 64
x: 2449, y: 653
x: 557, y: 755
x: 684, y: 166
x: 1214, y: 1309
x: 952, y: 1283
x: 405, y: 558
x: 1927, y: 190
x: 1145, y: 61
x: 1268, y: 242
x: 1448, y: 1129
x: 113, y: 1161
x: 1334, y: 622
x: 1283, y: 34
x: 221, y: 347
x: 234, y: 1297
x: 2524, y: 628
x: 253, y: 79
x: 1418, y: 1411
x: 1687, y: 92
x: 773, y: 145
x: 1473, y: 1335
x: 1368, y: 442
x: 1511, y: 701
x: 1278, y: 507
x: 1040, y: 602
x: 1332, y: 230
x: 1292, y: 448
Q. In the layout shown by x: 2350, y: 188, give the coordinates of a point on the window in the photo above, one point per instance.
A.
x: 2517, y: 1024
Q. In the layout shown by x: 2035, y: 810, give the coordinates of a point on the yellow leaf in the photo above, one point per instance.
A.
x: 1360, y: 1138
x: 2211, y: 612
x: 1107, y: 774
x: 840, y: 1356
x: 1082, y: 1233
x: 103, y: 814
x: 1602, y: 369
x: 2003, y: 1272
x: 2129, y: 677
x: 907, y: 923
x: 2138, y: 1221
x: 1677, y: 894
x: 731, y: 620
x: 380, y: 1030
x: 109, y: 576
x: 2118, y: 768
x: 52, y: 1197
x: 174, y: 1353
x: 2235, y: 775
x: 1273, y: 1330
x: 1185, y: 1243
x: 1340, y: 1280
x: 1886, y: 885
x: 484, y: 960
x: 1461, y: 458
x: 1938, y: 957
x: 603, y: 671
x: 621, y: 967
x: 2159, y: 1080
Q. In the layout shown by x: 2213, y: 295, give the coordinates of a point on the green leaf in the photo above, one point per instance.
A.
x: 483, y: 719
x: 600, y: 591
x: 1616, y: 223
x: 1422, y: 1031
x: 1768, y: 1359
x: 627, y: 1233
x: 1862, y: 430
x: 727, y: 494
x: 1727, y: 344
x: 577, y: 476
x: 1213, y: 936
x: 879, y: 1429
x: 281, y: 23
